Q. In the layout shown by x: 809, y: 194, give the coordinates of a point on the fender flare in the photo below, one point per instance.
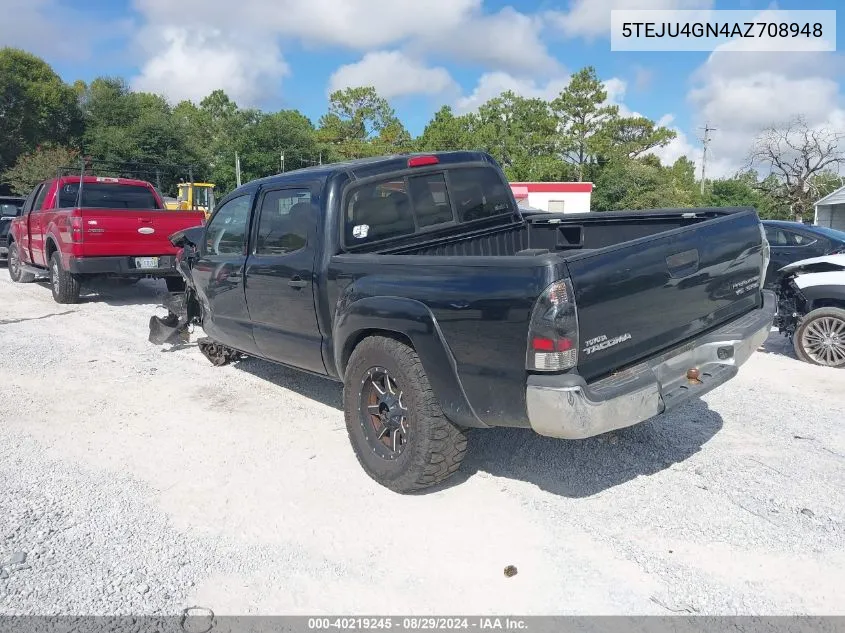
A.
x: 412, y: 320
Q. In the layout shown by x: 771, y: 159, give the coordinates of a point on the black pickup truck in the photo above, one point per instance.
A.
x: 417, y: 282
x: 10, y: 208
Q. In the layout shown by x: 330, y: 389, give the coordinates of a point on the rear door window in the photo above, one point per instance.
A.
x: 776, y: 237
x: 799, y: 239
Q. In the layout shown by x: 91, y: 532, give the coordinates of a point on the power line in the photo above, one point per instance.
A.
x: 706, y: 142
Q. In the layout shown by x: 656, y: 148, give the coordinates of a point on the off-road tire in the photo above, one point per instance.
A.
x: 13, y: 263
x: 65, y: 285
x: 435, y: 447
x: 175, y: 284
x: 837, y: 315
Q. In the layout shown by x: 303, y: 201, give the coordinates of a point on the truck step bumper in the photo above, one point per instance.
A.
x: 567, y: 407
x: 121, y: 265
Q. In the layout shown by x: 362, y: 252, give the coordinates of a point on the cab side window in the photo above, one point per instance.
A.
x: 284, y: 222
x: 226, y: 233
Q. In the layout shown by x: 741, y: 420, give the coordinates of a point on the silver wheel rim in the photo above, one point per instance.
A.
x: 823, y: 340
x: 54, y: 268
x: 14, y: 264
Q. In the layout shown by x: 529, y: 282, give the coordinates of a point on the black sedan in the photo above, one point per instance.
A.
x: 794, y: 241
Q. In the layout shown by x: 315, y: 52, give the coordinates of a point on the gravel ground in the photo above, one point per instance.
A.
x: 136, y: 479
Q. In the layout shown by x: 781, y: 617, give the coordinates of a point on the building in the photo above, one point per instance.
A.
x: 555, y: 197
x: 830, y: 210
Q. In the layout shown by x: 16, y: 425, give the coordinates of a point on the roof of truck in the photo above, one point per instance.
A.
x: 391, y: 162
x: 91, y: 180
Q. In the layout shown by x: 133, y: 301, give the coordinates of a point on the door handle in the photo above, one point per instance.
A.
x: 297, y: 282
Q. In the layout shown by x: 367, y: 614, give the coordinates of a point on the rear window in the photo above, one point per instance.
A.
x: 395, y: 207
x: 10, y: 209
x: 479, y: 193
x: 108, y: 196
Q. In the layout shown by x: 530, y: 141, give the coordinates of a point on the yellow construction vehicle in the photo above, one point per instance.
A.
x: 193, y: 195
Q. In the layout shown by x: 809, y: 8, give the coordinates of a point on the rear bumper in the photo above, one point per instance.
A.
x: 121, y: 266
x: 567, y: 407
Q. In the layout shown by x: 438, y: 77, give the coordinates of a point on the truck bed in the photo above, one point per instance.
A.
x: 642, y: 281
x: 561, y: 233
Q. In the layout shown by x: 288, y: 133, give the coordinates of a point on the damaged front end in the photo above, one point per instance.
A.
x: 183, y: 308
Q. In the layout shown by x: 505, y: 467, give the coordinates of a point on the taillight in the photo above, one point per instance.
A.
x: 553, y: 330
x: 422, y: 161
x: 766, y: 253
x: 76, y: 229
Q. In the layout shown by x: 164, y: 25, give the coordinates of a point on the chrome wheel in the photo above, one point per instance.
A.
x: 54, y: 274
x: 14, y: 262
x: 383, y: 414
x: 823, y: 340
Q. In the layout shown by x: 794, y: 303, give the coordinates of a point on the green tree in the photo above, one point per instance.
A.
x: 447, y: 132
x: 288, y: 132
x: 644, y: 183
x: 356, y: 119
x: 36, y: 106
x: 631, y: 137
x: 583, y: 115
x: 519, y: 133
x: 141, y: 132
x: 40, y: 164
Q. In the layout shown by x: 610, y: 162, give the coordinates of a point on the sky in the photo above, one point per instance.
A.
x: 421, y: 54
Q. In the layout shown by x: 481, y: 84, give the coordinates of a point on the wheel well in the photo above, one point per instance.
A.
x: 50, y: 248
x: 355, y: 340
x: 829, y: 303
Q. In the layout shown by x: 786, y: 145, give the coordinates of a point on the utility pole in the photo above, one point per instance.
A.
x: 705, y: 140
x: 282, y: 161
x: 237, y: 170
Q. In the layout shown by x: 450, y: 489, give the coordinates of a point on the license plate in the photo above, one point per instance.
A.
x: 146, y: 262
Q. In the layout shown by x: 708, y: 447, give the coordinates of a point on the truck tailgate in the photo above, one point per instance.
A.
x: 641, y: 297
x: 132, y: 231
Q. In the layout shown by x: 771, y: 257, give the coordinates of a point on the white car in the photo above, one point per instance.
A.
x: 811, y: 309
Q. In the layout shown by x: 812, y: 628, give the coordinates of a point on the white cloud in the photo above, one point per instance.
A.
x: 458, y: 30
x: 190, y: 63
x: 507, y: 41
x: 495, y: 83
x: 357, y: 24
x: 591, y: 18
x: 676, y: 148
x: 740, y: 92
x: 393, y: 74
x: 41, y: 27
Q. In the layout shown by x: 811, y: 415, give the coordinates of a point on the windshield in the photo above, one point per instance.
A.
x: 832, y: 233
x: 108, y: 196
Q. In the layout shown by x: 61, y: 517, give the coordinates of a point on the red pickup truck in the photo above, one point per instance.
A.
x: 113, y: 227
